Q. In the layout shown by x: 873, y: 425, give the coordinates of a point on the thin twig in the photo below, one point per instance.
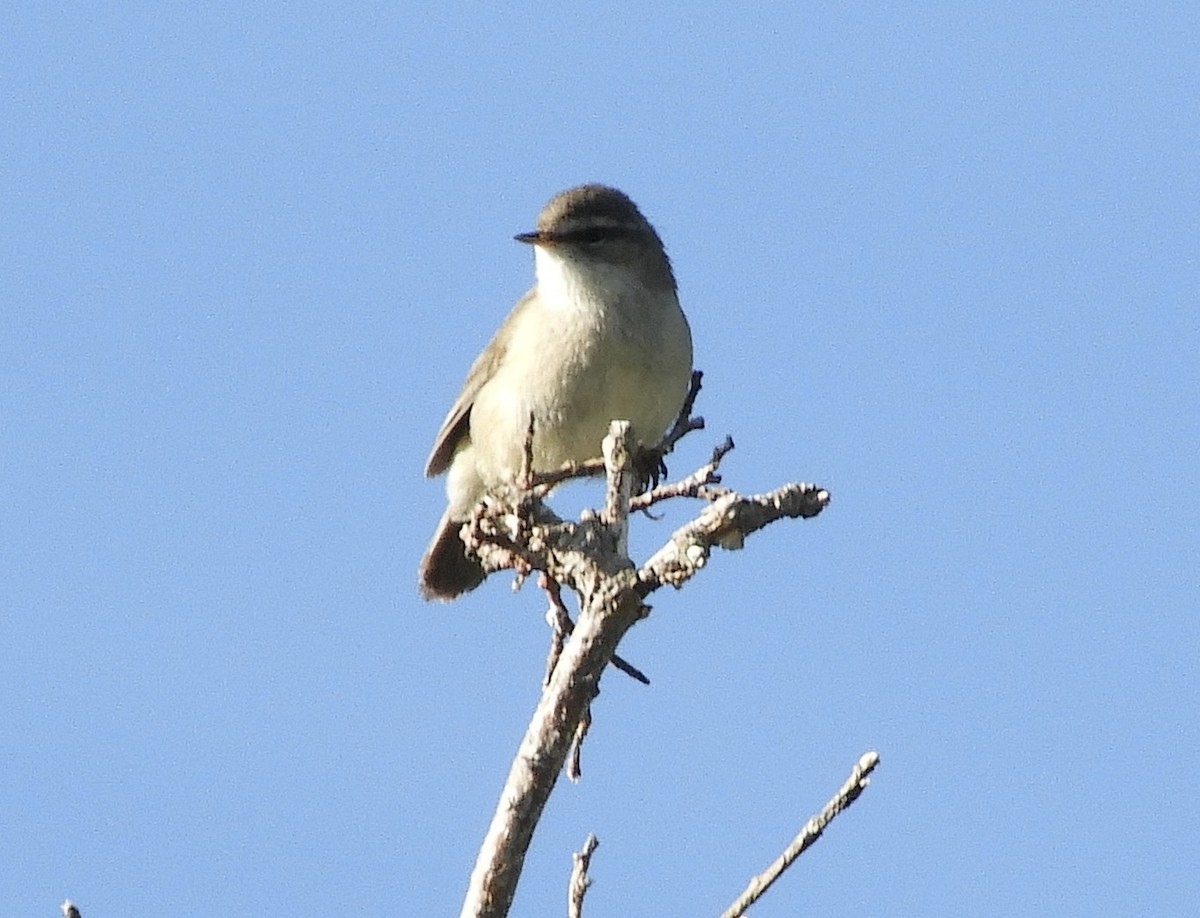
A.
x: 725, y: 523
x: 544, y: 482
x: 684, y: 422
x: 580, y: 881
x: 855, y: 785
x: 703, y: 478
x: 562, y: 626
x: 556, y: 618
x: 525, y: 475
x: 575, y: 758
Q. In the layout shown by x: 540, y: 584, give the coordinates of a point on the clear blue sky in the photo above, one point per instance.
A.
x: 941, y: 258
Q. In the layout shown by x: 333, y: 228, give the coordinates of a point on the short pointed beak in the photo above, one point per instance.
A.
x: 531, y: 238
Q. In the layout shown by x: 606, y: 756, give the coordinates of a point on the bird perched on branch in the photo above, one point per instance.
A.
x: 599, y: 337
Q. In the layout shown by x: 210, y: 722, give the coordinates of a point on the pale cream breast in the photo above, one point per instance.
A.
x: 599, y: 346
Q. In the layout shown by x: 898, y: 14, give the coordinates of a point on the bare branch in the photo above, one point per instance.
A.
x: 703, y: 478
x: 618, y: 459
x: 561, y: 628
x: 855, y: 785
x: 560, y: 624
x: 726, y: 522
x: 580, y: 881
x: 609, y: 606
x: 525, y: 475
x: 684, y: 423
x: 515, y: 530
x: 608, y: 615
x: 545, y: 482
x: 575, y: 758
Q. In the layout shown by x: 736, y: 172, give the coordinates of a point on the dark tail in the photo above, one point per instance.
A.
x: 446, y: 571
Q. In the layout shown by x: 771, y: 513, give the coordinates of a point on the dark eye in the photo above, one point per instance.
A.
x: 591, y: 235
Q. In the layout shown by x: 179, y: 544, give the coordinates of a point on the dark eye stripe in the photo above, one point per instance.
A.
x: 594, y: 234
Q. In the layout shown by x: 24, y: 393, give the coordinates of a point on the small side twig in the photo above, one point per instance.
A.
x: 704, y: 478
x: 580, y: 881
x: 575, y: 757
x: 544, y: 482
x: 726, y: 523
x: 525, y: 476
x: 559, y: 622
x: 846, y: 795
x: 561, y: 628
x: 684, y: 422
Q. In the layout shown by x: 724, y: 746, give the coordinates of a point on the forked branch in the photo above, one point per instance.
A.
x: 517, y: 531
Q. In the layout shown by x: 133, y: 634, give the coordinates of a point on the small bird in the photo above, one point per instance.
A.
x: 599, y: 337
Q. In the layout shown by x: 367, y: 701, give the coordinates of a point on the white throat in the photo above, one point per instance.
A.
x: 566, y: 283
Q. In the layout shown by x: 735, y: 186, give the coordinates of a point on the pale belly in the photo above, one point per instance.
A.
x: 573, y: 395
